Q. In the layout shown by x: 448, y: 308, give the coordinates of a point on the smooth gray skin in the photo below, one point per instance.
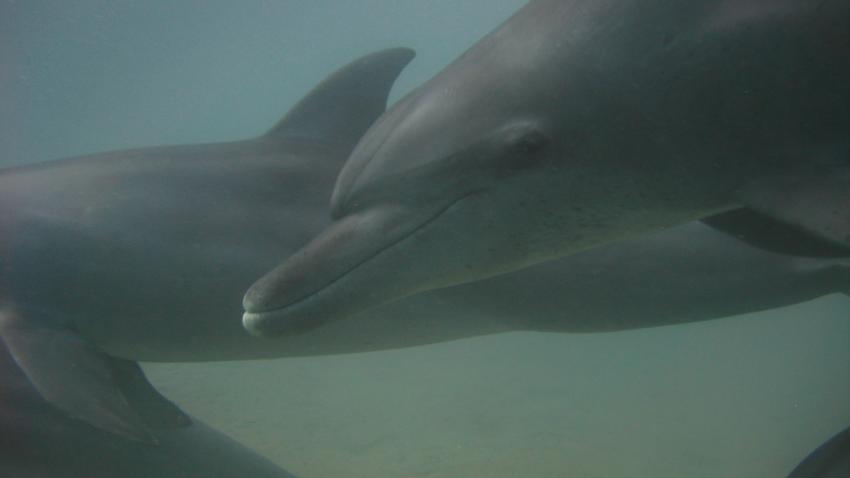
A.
x: 577, y: 123
x: 144, y: 254
x: 39, y: 441
x: 830, y: 460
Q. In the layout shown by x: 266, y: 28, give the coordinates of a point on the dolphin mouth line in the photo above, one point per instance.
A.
x: 261, y: 315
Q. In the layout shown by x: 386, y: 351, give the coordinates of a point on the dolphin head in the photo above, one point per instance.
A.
x: 575, y: 123
x: 490, y: 166
x: 454, y: 183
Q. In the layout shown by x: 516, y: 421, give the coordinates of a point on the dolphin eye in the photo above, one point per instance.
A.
x: 529, y: 142
x: 523, y: 149
x: 515, y: 148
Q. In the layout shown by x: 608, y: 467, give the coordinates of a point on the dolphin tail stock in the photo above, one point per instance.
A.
x: 345, y: 104
x: 830, y: 460
x: 108, y: 393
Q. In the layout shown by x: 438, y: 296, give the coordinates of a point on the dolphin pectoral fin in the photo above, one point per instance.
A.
x: 345, y: 105
x: 815, y: 202
x: 108, y: 393
x: 772, y: 235
x: 155, y: 410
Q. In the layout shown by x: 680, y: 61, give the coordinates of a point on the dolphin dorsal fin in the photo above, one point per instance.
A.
x: 343, y: 106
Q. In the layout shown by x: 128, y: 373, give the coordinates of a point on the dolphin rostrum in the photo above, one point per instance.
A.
x: 577, y: 123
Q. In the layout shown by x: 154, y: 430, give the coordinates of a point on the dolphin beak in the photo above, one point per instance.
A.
x: 333, y: 276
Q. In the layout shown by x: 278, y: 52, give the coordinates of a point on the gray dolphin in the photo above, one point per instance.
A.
x: 39, y: 441
x: 830, y: 460
x: 576, y: 123
x: 144, y: 254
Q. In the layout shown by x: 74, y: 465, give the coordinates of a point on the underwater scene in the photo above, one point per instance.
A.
x: 424, y: 238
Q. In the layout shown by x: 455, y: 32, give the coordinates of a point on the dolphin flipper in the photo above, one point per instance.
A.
x: 109, y: 393
x: 830, y: 460
x: 816, y: 202
x: 344, y: 106
x: 772, y: 235
x: 155, y: 410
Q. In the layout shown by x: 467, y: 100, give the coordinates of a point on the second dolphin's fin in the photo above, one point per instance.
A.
x: 343, y: 106
x: 109, y: 393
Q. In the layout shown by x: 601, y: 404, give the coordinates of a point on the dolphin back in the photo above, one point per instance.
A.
x: 830, y: 460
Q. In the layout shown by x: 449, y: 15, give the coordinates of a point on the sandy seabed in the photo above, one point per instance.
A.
x: 741, y: 397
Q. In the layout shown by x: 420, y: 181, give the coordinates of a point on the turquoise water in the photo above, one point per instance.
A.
x: 94, y: 75
x: 742, y: 397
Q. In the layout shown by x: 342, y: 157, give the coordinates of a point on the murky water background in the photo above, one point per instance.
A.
x: 743, y: 397
x: 92, y: 75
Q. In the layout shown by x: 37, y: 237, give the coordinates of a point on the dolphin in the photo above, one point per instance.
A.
x: 37, y: 440
x: 574, y: 124
x: 830, y: 460
x: 144, y: 254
